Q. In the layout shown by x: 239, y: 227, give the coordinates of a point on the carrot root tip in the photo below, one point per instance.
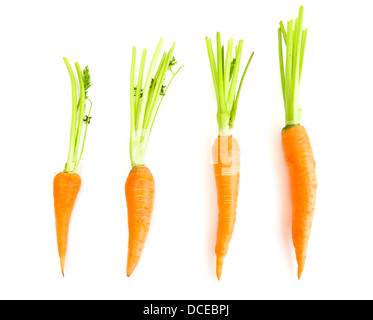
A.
x: 219, y: 266
x: 300, y: 271
x: 62, y: 262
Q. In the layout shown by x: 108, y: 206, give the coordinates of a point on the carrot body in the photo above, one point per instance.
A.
x: 66, y: 187
x: 302, y: 171
x: 226, y: 159
x: 140, y: 192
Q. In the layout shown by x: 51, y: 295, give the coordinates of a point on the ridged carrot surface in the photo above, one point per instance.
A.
x: 302, y: 170
x: 66, y: 187
x: 140, y: 192
x: 226, y: 159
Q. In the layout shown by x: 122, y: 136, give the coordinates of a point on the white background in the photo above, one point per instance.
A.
x: 178, y: 261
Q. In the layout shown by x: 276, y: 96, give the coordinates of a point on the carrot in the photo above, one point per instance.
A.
x: 140, y: 184
x: 140, y: 192
x: 66, y: 184
x: 66, y: 187
x: 302, y: 171
x: 295, y: 141
x: 226, y: 159
x: 226, y: 151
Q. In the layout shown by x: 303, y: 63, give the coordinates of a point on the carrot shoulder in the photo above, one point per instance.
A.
x: 226, y: 151
x: 296, y: 144
x: 66, y: 184
x: 140, y: 186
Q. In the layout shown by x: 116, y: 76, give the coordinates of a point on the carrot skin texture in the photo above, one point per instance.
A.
x: 140, y: 193
x: 302, y: 170
x: 66, y: 187
x: 226, y: 160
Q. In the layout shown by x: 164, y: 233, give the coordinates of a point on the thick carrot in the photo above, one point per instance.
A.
x: 295, y: 141
x: 66, y: 184
x: 140, y: 186
x: 225, y: 151
x: 66, y: 187
x: 140, y: 192
x: 302, y: 171
x: 226, y: 158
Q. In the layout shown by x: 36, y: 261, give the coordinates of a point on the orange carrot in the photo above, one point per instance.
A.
x: 140, y: 192
x: 302, y: 171
x: 295, y: 141
x: 65, y: 190
x: 226, y: 159
x: 225, y: 151
x: 145, y: 101
x: 66, y: 184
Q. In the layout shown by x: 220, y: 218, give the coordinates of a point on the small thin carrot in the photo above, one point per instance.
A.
x: 66, y: 184
x: 66, y: 187
x: 140, y: 193
x: 295, y: 141
x: 302, y: 171
x: 226, y: 151
x: 226, y: 159
x: 140, y: 185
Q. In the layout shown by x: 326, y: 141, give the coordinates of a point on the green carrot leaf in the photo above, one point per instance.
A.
x: 234, y: 109
x: 146, y: 100
x: 78, y: 117
x: 291, y: 71
x: 225, y: 77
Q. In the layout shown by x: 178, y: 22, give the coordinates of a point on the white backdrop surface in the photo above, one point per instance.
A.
x: 178, y: 261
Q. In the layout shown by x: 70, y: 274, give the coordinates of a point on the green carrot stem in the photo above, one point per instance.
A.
x: 234, y: 109
x: 81, y: 109
x: 295, y: 41
x: 144, y: 100
x: 85, y: 133
x: 223, y: 110
x: 227, y: 69
x: 145, y: 105
x: 156, y: 87
x: 225, y: 78
x: 156, y: 111
x: 132, y: 89
x: 77, y: 116
x: 70, y: 159
x: 232, y: 89
x: 282, y: 72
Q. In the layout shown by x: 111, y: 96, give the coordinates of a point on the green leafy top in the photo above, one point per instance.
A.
x: 225, y: 76
x: 295, y: 40
x: 145, y: 101
x: 78, y: 117
x: 86, y: 80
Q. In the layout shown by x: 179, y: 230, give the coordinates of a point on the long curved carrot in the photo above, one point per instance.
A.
x: 302, y: 171
x: 140, y: 185
x: 226, y: 151
x: 295, y: 141
x: 66, y: 184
